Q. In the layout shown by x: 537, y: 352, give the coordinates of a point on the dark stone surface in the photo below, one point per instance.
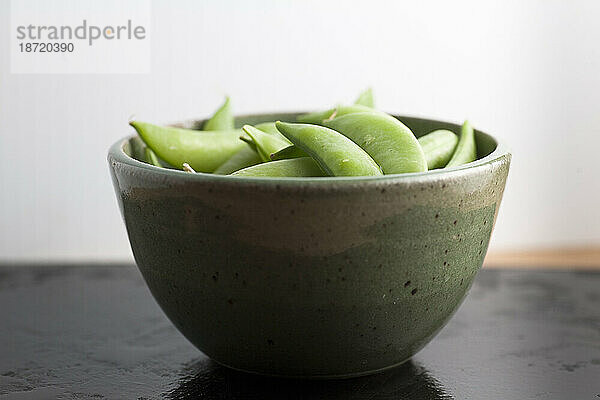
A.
x: 94, y: 332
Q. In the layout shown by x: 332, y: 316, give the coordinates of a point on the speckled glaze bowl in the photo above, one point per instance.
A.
x: 311, y: 277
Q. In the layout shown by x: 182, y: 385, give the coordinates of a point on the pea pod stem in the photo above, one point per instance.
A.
x: 186, y: 167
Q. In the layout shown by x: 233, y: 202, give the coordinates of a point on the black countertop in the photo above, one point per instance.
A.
x: 95, y: 332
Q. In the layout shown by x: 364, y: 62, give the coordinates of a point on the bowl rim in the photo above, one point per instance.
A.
x: 116, y: 153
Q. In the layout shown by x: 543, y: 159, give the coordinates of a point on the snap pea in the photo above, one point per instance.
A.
x: 204, y: 151
x: 299, y: 167
x: 350, y: 140
x: 288, y: 152
x: 466, y: 149
x: 269, y: 127
x: 336, y: 154
x: 266, y: 144
x: 318, y: 117
x: 365, y: 98
x: 245, y: 157
x: 151, y: 157
x: 438, y: 146
x: 221, y: 120
x: 391, y: 144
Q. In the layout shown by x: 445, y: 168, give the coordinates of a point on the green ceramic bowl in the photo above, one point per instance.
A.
x: 311, y: 277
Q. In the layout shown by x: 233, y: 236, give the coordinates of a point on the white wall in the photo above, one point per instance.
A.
x: 527, y: 71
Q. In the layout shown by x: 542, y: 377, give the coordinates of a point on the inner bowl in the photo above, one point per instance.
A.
x: 311, y: 277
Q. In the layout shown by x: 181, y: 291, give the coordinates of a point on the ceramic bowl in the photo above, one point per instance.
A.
x: 311, y: 277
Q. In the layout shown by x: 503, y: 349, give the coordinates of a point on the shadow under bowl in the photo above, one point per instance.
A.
x: 311, y: 277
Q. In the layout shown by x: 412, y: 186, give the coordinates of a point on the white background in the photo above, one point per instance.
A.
x: 527, y: 71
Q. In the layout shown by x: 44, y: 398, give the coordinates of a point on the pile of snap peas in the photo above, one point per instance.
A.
x: 348, y: 140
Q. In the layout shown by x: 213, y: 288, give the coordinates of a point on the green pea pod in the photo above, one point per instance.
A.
x: 438, y: 147
x: 222, y: 119
x: 246, y: 157
x: 299, y: 167
x: 270, y: 128
x: 391, y: 144
x: 336, y: 154
x: 204, y: 151
x: 151, y: 158
x: 366, y: 98
x: 318, y: 117
x: 466, y: 149
x: 266, y: 144
x: 288, y: 152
